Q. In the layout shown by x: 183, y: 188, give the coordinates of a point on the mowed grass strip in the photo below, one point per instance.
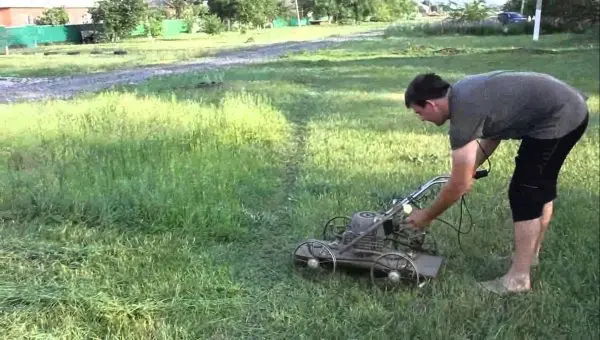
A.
x: 168, y: 211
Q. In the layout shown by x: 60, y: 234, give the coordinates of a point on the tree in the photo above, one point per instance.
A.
x: 179, y: 6
x: 475, y: 10
x: 224, y: 9
x: 54, y: 16
x: 340, y: 10
x: 255, y: 12
x: 119, y: 17
x: 153, y: 22
x: 390, y: 10
x: 182, y: 8
x: 569, y: 12
x: 515, y: 6
x: 323, y: 8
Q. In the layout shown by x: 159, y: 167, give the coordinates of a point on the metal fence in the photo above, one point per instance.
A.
x: 34, y: 35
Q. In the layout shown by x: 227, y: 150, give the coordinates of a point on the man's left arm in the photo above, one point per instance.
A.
x: 461, y: 179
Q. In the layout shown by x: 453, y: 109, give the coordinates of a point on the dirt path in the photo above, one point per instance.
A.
x: 30, y: 89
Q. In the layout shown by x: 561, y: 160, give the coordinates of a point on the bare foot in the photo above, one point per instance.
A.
x: 507, y: 285
x: 517, y: 284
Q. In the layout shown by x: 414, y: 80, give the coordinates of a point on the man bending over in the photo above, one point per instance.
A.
x: 547, y: 115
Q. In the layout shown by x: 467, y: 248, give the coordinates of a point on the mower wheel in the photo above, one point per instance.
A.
x: 314, y: 259
x: 390, y: 270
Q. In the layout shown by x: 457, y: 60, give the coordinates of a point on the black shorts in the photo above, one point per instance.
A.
x: 537, y: 166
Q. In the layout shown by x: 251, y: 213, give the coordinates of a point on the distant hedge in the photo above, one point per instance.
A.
x: 478, y: 28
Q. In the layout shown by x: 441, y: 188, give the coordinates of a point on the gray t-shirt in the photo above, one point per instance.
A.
x: 513, y: 105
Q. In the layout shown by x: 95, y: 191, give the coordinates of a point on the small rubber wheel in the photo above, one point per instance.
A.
x: 391, y: 271
x: 315, y: 260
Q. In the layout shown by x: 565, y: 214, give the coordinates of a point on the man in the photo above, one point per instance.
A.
x: 547, y: 115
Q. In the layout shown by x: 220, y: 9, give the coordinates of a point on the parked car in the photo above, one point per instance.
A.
x: 511, y: 18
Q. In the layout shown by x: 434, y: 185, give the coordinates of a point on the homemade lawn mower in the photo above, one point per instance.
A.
x: 381, y: 242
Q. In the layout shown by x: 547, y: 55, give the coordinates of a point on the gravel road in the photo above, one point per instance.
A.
x: 31, y: 89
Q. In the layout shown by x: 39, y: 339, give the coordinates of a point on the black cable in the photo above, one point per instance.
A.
x: 487, y: 157
x: 463, y: 203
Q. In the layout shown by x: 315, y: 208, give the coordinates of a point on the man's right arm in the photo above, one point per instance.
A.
x: 489, y: 145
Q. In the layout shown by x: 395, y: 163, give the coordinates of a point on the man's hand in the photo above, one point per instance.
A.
x: 419, y: 218
x: 461, y: 178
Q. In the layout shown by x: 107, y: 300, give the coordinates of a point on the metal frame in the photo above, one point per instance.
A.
x: 424, y: 264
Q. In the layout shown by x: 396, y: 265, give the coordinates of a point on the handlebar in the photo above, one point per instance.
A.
x: 436, y: 180
x: 481, y: 173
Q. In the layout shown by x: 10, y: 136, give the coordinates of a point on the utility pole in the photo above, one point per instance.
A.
x: 538, y: 19
x: 298, y: 13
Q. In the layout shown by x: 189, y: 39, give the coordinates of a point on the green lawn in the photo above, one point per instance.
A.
x: 143, y: 51
x: 168, y: 211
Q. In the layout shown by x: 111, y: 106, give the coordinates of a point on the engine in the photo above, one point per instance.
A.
x: 360, y: 223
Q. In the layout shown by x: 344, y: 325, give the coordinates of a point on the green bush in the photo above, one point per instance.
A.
x: 119, y: 18
x: 473, y: 11
x: 153, y: 23
x: 478, y: 28
x: 54, y: 16
x: 212, y: 24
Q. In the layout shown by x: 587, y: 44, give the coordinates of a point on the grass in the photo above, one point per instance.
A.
x: 166, y: 211
x: 143, y: 52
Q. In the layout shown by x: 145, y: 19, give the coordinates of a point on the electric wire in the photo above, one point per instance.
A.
x: 463, y: 203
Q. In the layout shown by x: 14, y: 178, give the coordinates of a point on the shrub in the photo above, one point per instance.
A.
x: 474, y: 11
x: 54, y: 16
x: 118, y: 17
x: 212, y: 24
x: 153, y: 23
x: 478, y: 28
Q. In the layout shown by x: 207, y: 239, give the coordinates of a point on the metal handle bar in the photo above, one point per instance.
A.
x: 420, y: 191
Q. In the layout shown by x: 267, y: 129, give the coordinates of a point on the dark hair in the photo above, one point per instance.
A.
x: 425, y: 87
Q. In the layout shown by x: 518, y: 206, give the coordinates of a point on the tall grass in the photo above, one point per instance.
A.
x: 141, y: 163
x: 476, y: 28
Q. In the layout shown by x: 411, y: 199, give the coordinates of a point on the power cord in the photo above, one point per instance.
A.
x: 463, y: 203
x: 487, y: 157
x: 459, y: 229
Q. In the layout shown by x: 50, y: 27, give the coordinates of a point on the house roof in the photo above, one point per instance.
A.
x: 48, y: 3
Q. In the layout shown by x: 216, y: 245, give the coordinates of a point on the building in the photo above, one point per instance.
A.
x: 24, y: 12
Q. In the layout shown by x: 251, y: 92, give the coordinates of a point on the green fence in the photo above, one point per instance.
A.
x: 34, y: 35
x: 170, y: 28
x: 284, y: 22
